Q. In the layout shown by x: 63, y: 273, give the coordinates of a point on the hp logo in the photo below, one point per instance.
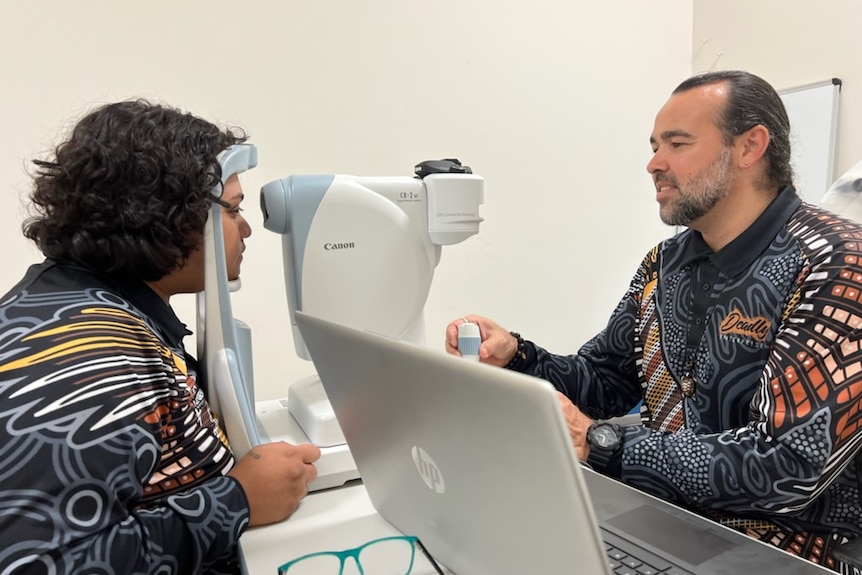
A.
x: 428, y: 470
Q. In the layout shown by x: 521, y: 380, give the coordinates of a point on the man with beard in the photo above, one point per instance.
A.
x: 742, y: 336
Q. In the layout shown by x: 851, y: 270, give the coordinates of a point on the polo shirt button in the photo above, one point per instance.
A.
x: 706, y: 287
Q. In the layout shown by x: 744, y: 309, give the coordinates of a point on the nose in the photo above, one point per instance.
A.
x: 244, y: 227
x: 657, y: 163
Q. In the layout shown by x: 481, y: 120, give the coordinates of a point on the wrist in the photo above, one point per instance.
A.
x: 520, y: 353
x: 604, y: 447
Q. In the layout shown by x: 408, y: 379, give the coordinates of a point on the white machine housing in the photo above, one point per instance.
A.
x: 362, y: 251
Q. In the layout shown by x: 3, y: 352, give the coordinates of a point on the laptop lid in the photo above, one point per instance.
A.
x: 475, y: 461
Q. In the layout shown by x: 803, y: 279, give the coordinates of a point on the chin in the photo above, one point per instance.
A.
x: 665, y: 216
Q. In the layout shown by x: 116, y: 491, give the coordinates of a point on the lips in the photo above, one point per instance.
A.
x: 664, y: 179
x: 663, y: 190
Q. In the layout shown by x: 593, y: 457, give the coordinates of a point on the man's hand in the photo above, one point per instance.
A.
x: 275, y: 478
x: 578, y: 423
x: 498, y: 345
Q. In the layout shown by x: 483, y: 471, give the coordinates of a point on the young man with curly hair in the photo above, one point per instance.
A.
x: 110, y: 458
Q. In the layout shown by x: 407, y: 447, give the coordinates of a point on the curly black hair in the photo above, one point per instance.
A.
x: 128, y: 193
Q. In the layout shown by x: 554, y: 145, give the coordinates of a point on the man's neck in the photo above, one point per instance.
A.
x: 732, y: 215
x: 161, y: 290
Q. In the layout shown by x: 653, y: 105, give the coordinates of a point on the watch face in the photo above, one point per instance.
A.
x: 605, y: 436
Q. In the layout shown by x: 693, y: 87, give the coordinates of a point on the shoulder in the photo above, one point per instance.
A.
x: 55, y: 316
x: 83, y: 354
x: 825, y: 237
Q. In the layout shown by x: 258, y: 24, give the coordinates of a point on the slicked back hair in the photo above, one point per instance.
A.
x: 752, y: 101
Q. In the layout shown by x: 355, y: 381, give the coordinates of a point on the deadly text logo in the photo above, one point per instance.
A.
x: 428, y: 470
x: 734, y: 323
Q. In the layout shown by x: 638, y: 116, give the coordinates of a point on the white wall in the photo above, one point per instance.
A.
x: 552, y: 102
x: 789, y: 43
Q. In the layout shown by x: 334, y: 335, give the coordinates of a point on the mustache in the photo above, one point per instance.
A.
x: 662, y: 178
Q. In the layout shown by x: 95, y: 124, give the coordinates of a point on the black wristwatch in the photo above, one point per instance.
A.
x: 605, y: 440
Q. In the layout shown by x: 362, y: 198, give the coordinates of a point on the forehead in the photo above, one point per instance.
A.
x: 232, y: 188
x: 694, y: 111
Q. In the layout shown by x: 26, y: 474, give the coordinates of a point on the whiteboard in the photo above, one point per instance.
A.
x: 813, y: 112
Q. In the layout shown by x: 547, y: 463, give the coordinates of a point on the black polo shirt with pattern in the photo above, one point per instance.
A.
x: 110, y: 460
x: 748, y: 362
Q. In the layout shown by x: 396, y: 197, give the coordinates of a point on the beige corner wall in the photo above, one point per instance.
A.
x: 552, y: 102
x: 789, y: 43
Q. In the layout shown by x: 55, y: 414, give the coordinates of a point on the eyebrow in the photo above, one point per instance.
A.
x: 227, y: 203
x: 668, y: 134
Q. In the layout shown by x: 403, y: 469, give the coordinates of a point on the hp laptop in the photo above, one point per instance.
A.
x: 477, y: 462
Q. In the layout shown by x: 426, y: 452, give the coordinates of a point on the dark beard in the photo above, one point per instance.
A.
x: 701, y: 193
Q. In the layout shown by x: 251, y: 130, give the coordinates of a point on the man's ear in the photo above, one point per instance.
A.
x: 751, y: 145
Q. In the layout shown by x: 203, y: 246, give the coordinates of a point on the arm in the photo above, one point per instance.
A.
x: 601, y: 379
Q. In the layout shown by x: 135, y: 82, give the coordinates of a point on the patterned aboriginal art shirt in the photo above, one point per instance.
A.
x: 110, y: 460
x: 748, y: 362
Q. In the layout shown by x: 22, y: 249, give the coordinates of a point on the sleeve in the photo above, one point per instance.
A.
x: 602, y: 377
x: 793, y: 458
x: 82, y: 434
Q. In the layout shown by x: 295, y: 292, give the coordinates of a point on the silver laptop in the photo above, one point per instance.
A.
x: 477, y: 462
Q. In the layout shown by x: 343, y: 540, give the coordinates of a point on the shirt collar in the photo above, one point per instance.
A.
x: 140, y: 295
x: 736, y: 256
x: 148, y: 302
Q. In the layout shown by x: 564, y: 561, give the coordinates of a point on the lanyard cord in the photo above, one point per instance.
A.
x: 697, y: 322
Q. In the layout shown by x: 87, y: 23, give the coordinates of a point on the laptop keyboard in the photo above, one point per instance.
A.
x: 626, y: 558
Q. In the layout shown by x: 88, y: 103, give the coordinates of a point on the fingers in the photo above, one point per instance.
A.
x: 308, y: 452
x: 452, y: 332
x: 577, y: 423
x: 275, y: 478
x: 498, y: 346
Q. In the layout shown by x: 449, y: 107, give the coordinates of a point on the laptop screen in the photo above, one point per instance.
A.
x: 474, y: 460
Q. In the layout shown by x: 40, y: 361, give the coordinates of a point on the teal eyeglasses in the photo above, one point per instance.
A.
x: 385, y: 556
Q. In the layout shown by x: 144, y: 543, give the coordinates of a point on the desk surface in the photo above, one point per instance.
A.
x: 334, y: 519
x: 343, y: 517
